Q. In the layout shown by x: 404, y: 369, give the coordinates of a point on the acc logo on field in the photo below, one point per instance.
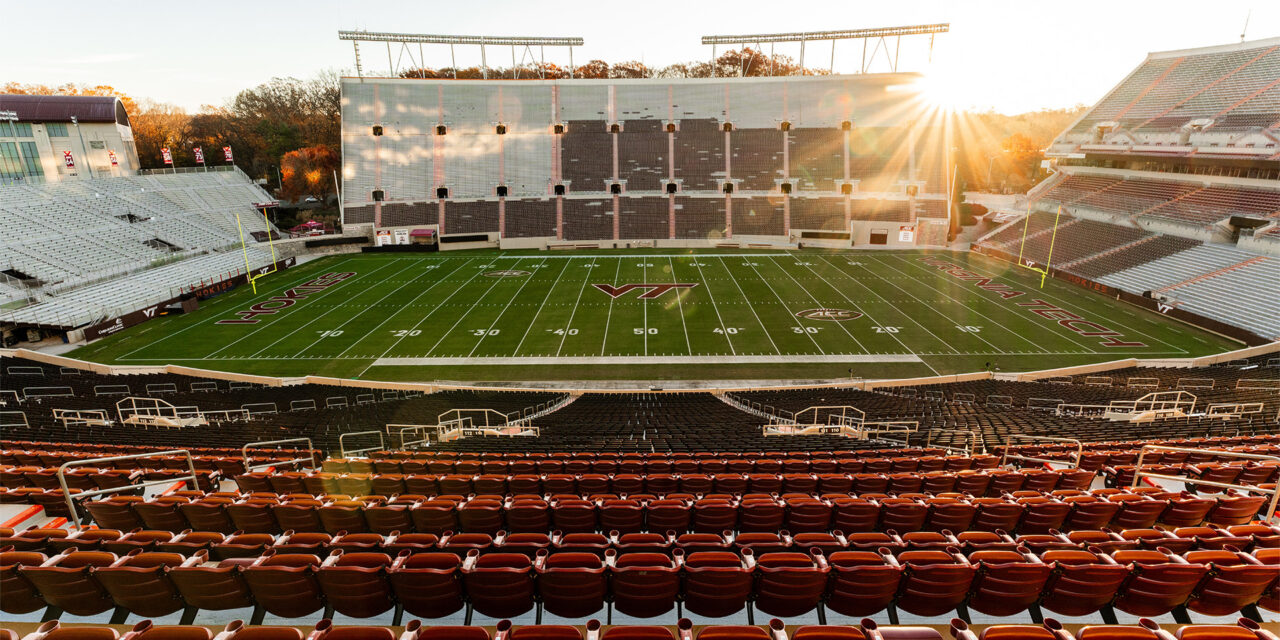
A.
x: 828, y: 314
x: 509, y: 273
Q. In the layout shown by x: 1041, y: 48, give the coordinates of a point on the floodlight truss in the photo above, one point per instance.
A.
x: 880, y: 36
x: 402, y: 41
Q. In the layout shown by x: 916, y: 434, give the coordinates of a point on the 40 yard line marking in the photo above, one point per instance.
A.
x: 706, y: 285
x: 604, y: 341
x: 591, y: 269
x: 750, y: 306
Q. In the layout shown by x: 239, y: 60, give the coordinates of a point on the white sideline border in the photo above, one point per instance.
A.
x: 612, y: 360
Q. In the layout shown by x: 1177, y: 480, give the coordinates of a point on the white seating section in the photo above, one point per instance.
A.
x: 1247, y: 297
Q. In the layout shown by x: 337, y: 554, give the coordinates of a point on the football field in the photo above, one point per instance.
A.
x: 651, y: 315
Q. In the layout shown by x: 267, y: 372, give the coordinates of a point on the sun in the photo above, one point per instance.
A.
x: 942, y: 91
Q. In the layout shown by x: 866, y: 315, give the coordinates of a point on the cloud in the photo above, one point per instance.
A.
x: 101, y: 58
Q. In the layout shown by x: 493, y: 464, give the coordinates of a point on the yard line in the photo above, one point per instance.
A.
x: 322, y: 294
x: 534, y: 320
x: 1086, y: 347
x: 605, y: 340
x: 780, y: 301
x: 508, y: 306
x: 410, y: 303
x: 877, y: 294
x: 428, y: 315
x: 873, y: 320
x: 314, y: 319
x: 998, y: 350
x: 644, y: 306
x: 591, y: 268
x: 216, y: 316
x: 680, y: 308
x: 1067, y: 304
x: 749, y: 305
x: 819, y: 302
x: 362, y: 311
x: 462, y: 316
x: 707, y: 287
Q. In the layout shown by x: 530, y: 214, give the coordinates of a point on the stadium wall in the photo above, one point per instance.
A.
x: 604, y: 161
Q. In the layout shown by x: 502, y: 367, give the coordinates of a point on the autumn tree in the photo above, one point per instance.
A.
x: 70, y: 89
x: 308, y: 172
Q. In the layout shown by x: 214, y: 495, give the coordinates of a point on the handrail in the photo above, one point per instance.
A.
x: 311, y: 453
x: 66, y: 491
x: 402, y: 428
x: 1008, y: 443
x: 1138, y: 473
x: 382, y: 442
x: 967, y: 449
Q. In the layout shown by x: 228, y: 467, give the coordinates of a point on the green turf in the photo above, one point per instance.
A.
x: 916, y: 319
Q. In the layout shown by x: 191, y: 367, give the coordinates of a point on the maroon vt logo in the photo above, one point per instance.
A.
x: 651, y: 290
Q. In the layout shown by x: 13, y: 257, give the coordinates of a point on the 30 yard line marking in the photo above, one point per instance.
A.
x: 908, y: 316
x: 410, y: 304
x: 534, y: 319
x: 272, y: 321
x: 463, y: 316
x: 213, y: 317
x: 961, y: 304
x: 784, y: 306
x: 513, y: 297
x: 591, y: 269
x: 820, y: 304
x: 605, y: 340
x: 680, y: 307
x: 750, y: 306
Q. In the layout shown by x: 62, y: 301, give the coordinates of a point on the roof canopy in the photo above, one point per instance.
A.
x: 62, y: 108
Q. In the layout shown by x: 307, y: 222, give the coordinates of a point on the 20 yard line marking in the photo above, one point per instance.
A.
x: 410, y: 304
x: 534, y: 319
x: 908, y: 316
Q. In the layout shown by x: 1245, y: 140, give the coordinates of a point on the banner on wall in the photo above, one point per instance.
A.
x: 168, y: 157
x: 199, y: 155
x: 66, y: 157
x: 383, y: 238
x: 402, y: 236
x: 112, y: 154
x: 907, y: 233
x: 226, y: 153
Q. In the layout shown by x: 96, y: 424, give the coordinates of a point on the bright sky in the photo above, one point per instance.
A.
x: 1013, y: 56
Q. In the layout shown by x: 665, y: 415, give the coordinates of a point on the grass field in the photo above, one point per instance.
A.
x: 470, y: 316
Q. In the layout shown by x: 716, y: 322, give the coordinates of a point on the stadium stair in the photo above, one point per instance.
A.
x: 1212, y: 274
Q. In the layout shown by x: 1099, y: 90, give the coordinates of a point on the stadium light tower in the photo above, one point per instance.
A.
x: 880, y: 35
x: 403, y: 40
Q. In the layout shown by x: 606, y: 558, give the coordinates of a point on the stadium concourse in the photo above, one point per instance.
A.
x: 641, y: 269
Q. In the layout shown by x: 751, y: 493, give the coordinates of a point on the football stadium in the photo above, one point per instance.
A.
x: 750, y: 349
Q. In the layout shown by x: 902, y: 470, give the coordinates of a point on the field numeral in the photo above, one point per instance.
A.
x: 644, y: 264
x: 430, y: 266
x: 406, y: 333
x: 733, y: 331
x: 853, y: 263
x: 804, y: 264
x: 485, y: 332
x: 751, y: 264
x: 887, y: 329
x: 653, y: 331
x: 333, y: 333
x: 563, y: 332
x: 698, y: 264
x: 805, y: 329
x: 590, y: 265
x: 969, y: 328
x: 485, y: 266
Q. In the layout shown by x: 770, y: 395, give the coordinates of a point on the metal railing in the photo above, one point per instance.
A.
x: 248, y: 466
x: 342, y: 439
x: 422, y: 429
x: 66, y: 491
x: 968, y: 449
x: 1138, y: 473
x: 8, y: 419
x: 1008, y: 444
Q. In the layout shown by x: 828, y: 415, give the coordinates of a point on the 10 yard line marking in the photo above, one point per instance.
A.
x: 269, y: 323
x: 534, y: 319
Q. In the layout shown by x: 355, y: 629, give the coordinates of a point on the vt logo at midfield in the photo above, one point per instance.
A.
x: 650, y: 290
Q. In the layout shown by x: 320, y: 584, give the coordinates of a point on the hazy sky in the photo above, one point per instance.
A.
x: 1013, y: 56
